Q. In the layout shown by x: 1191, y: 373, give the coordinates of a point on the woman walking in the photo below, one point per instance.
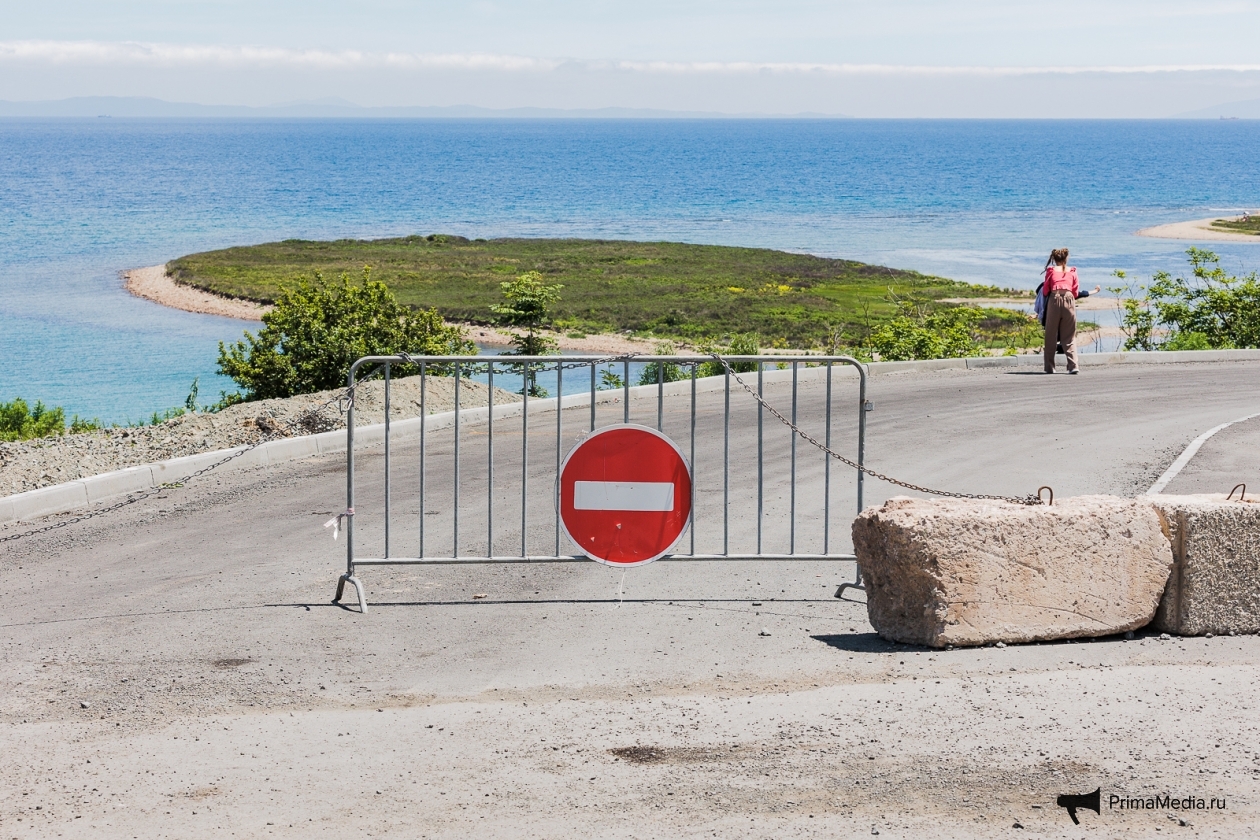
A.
x: 1061, y: 289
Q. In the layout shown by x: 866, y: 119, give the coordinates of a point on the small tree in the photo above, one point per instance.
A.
x: 1214, y: 310
x: 528, y: 303
x: 317, y: 330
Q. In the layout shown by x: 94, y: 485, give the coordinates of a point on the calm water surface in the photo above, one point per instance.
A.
x: 82, y: 200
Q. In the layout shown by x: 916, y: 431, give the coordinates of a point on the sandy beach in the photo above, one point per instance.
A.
x: 1200, y: 230
x: 154, y: 284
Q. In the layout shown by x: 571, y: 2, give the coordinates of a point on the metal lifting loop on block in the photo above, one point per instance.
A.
x: 1045, y: 487
x: 1242, y: 497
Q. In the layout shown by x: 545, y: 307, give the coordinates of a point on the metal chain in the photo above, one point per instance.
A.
x: 343, y: 400
x: 1030, y: 499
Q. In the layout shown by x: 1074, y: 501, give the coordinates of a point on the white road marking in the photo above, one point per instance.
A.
x: 1184, y: 457
x: 623, y: 495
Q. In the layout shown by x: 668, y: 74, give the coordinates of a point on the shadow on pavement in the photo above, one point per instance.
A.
x: 861, y: 643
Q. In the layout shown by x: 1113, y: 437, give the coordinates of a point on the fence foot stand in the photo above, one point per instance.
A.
x: 857, y: 584
x: 840, y: 592
x: 358, y: 590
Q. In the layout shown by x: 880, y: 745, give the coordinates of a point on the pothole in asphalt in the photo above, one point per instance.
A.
x: 640, y: 755
x: 673, y: 755
x: 231, y: 663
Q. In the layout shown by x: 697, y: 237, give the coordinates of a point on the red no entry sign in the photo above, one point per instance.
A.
x: 625, y: 495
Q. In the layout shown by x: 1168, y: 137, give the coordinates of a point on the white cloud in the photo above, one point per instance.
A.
x: 130, y: 53
x: 137, y: 53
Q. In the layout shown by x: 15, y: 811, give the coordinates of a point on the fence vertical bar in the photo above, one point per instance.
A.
x: 559, y: 440
x: 593, y: 366
x: 792, y: 515
x: 625, y: 391
x: 489, y: 460
x: 455, y: 473
x: 857, y: 577
x: 761, y: 460
x: 349, y: 520
x: 660, y: 396
x: 387, y: 459
x: 726, y: 470
x: 861, y: 435
x: 524, y: 457
x: 424, y: 425
x: 693, y: 460
x: 827, y: 470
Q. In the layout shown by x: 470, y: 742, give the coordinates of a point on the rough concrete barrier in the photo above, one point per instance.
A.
x: 1215, y: 582
x: 944, y: 572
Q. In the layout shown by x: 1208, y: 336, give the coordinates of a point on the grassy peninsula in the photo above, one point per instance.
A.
x: 1251, y: 225
x: 666, y: 289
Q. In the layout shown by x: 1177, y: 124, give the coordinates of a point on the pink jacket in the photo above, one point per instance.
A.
x: 1062, y: 278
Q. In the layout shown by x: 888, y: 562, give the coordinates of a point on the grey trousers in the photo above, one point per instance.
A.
x: 1060, y: 328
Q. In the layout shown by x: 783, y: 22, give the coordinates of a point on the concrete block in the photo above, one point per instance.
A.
x: 179, y: 468
x: 1215, y: 582
x: 967, y: 572
x: 48, y: 500
x: 129, y: 480
x: 289, y: 449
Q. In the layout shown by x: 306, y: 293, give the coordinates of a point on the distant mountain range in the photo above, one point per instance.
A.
x: 139, y: 106
x: 1246, y: 110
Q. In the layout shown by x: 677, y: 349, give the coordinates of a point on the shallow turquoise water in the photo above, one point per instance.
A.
x: 82, y: 200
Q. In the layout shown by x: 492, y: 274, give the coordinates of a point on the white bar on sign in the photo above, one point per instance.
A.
x: 623, y: 495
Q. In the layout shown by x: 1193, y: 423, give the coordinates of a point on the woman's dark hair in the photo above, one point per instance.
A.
x: 1058, y: 256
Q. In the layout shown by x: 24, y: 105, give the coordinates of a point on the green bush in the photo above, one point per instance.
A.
x: 943, y: 334
x: 746, y: 344
x: 18, y: 421
x: 1212, y: 311
x: 317, y: 330
x: 654, y: 374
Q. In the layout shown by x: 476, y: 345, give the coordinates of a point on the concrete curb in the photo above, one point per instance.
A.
x: 85, y: 492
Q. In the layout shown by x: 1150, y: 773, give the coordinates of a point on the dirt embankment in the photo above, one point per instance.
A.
x: 32, y: 464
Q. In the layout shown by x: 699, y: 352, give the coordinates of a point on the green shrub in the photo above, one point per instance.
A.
x: 18, y: 421
x: 662, y: 371
x: 317, y: 330
x: 1214, y: 310
x: 943, y: 334
x: 746, y: 344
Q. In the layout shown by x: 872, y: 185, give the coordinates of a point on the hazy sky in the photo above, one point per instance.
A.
x: 873, y: 58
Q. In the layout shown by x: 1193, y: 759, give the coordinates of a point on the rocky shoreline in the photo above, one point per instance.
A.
x: 44, y: 462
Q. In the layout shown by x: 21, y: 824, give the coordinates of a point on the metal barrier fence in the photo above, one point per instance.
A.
x: 502, y: 386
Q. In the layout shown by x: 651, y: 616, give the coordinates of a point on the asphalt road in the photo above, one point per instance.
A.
x: 176, y: 669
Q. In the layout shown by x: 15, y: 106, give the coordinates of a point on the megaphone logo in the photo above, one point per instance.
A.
x: 1072, y: 801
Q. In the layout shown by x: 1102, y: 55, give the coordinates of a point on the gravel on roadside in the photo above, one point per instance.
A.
x: 32, y: 464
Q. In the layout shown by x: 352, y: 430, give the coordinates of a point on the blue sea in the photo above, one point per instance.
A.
x: 983, y: 201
